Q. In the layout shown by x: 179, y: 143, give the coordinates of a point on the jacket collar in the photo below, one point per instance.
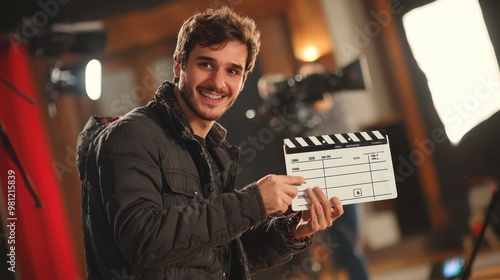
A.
x: 165, y: 96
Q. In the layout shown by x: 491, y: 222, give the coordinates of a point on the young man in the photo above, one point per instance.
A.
x: 159, y: 200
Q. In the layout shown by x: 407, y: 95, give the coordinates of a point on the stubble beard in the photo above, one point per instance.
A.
x: 188, y: 96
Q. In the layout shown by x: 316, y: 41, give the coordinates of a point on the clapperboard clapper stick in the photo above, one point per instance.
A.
x: 355, y: 167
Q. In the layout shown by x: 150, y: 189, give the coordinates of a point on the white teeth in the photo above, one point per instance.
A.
x: 211, y: 96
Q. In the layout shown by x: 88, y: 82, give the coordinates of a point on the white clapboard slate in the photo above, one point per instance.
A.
x: 355, y: 167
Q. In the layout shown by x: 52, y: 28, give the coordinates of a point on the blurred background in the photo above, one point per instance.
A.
x: 427, y: 72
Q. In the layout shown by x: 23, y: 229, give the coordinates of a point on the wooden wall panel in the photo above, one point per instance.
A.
x: 411, y: 113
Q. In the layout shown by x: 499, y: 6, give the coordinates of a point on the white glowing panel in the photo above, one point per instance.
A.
x: 93, y: 76
x: 451, y: 44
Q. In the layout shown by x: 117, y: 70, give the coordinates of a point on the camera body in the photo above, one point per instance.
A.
x: 290, y: 99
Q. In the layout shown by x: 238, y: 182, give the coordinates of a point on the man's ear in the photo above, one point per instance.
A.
x: 177, y: 69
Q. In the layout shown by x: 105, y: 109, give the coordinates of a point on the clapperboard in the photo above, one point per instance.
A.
x: 355, y: 167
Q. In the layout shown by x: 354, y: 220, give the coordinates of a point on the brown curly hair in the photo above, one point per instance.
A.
x: 217, y: 26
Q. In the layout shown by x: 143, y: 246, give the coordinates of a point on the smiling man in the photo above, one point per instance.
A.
x: 210, y: 82
x: 158, y: 197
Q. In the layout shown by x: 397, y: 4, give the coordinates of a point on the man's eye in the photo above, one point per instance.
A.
x: 233, y: 71
x: 206, y: 65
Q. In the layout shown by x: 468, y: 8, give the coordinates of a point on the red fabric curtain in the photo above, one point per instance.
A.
x: 40, y: 237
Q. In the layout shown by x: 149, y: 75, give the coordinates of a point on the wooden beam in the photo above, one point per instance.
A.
x: 147, y: 27
x: 411, y: 112
x: 276, y: 53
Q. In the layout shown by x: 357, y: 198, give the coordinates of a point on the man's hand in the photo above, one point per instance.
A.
x: 321, y: 214
x: 278, y: 191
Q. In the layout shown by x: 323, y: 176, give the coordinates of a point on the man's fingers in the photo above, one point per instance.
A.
x: 318, y: 218
x: 287, y: 199
x: 315, y: 202
x: 281, y: 179
x: 312, y: 197
x: 293, y: 180
x: 337, y: 206
x: 283, y: 208
x: 291, y: 191
x: 322, y: 199
x: 277, y: 190
x: 287, y: 184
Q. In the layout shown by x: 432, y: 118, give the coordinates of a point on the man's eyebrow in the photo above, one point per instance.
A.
x: 237, y: 66
x: 211, y: 59
x: 207, y: 58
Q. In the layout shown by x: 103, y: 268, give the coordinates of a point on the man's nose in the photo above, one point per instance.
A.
x: 218, y: 79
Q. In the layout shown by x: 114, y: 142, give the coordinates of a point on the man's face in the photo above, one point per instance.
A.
x: 211, y: 80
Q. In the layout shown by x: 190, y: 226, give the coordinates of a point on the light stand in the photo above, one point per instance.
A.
x: 465, y: 275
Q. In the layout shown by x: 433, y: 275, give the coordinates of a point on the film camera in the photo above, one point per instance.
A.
x: 292, y: 97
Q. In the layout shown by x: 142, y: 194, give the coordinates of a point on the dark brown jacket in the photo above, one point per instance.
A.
x: 145, y: 212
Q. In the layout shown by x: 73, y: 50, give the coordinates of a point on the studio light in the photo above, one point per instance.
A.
x: 310, y: 53
x: 459, y: 61
x: 93, y: 79
x: 82, y: 79
x: 83, y: 40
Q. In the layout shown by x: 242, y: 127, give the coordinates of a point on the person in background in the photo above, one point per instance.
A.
x: 311, y: 112
x: 346, y: 234
x: 159, y: 199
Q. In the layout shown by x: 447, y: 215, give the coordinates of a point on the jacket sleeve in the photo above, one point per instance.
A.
x: 266, y: 245
x: 148, y: 233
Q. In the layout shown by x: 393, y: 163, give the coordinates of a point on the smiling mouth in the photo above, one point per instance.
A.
x: 210, y: 96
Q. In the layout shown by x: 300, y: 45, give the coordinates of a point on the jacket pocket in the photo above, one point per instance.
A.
x: 180, y: 188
